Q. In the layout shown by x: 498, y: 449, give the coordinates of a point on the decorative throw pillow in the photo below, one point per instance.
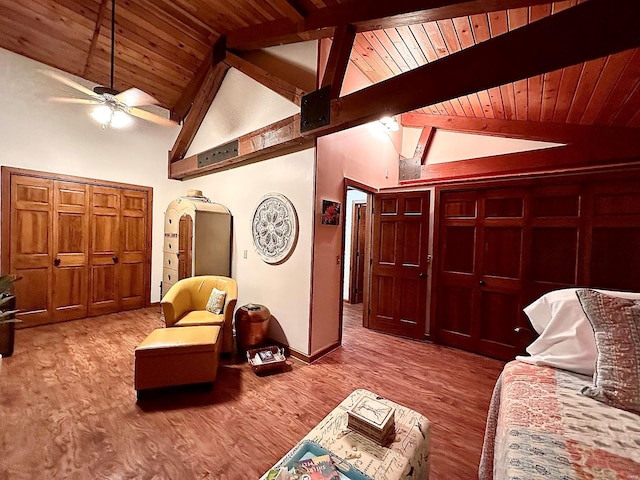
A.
x: 616, y: 323
x: 215, y: 304
x: 566, y: 338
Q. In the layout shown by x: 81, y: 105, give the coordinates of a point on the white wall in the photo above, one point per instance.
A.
x: 450, y: 146
x: 353, y: 196
x: 242, y: 105
x: 38, y: 134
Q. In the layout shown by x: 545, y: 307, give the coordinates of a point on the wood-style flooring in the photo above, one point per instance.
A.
x: 68, y: 408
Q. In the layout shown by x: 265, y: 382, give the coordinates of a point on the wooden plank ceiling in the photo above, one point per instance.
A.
x: 604, y: 91
x: 163, y: 47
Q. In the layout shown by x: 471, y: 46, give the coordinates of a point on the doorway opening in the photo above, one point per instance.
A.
x: 358, y: 199
x: 356, y: 217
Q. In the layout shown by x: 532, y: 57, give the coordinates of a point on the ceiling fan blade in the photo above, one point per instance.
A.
x: 152, y: 117
x: 70, y: 83
x: 82, y: 101
x: 136, y: 98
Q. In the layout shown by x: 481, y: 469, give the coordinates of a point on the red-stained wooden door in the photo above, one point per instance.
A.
x: 398, y: 294
x: 481, y: 268
x: 358, y: 258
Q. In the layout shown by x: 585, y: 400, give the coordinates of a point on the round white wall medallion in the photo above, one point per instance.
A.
x: 274, y: 228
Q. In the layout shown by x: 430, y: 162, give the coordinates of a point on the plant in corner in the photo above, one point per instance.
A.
x: 7, y: 314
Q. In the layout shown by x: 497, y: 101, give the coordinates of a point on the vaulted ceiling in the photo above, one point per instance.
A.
x: 164, y: 48
x: 573, y: 64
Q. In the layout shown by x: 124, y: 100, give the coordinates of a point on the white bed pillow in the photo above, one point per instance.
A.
x: 566, y: 338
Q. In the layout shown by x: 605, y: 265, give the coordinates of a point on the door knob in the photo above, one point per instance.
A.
x: 115, y: 259
x: 56, y: 262
x: 482, y: 283
x: 422, y: 275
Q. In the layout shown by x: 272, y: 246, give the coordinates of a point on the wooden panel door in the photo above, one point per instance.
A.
x: 500, y: 273
x: 104, y: 250
x: 481, y: 270
x: 457, y: 278
x: 31, y: 247
x: 70, y: 250
x: 398, y: 294
x: 358, y: 258
x: 132, y: 254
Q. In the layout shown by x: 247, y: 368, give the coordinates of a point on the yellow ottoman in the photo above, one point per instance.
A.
x: 177, y: 356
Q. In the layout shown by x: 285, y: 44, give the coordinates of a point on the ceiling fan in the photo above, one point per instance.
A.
x: 113, y: 108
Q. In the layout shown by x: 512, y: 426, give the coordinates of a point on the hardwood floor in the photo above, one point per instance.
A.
x: 68, y: 408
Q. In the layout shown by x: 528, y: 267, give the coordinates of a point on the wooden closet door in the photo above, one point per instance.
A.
x: 398, y: 295
x: 70, y: 251
x: 104, y: 250
x: 500, y: 275
x: 457, y: 289
x: 132, y: 251
x: 31, y: 247
x: 481, y: 269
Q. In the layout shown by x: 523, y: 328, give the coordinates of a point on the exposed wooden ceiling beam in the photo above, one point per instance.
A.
x: 365, y: 15
x: 338, y: 59
x: 201, y: 102
x: 276, y: 139
x: 589, y: 30
x: 541, y: 131
x: 282, y: 87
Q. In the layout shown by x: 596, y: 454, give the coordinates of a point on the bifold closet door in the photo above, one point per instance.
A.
x: 104, y: 250
x: 82, y: 247
x: 132, y: 254
x: 118, y: 250
x: 70, y: 250
x: 31, y: 247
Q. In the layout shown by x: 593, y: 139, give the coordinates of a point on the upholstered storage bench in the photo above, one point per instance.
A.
x: 177, y: 356
x: 405, y: 458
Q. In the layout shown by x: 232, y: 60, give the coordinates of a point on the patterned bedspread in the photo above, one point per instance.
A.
x: 540, y: 427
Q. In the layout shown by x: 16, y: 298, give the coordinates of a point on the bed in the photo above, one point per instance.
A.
x: 548, y: 422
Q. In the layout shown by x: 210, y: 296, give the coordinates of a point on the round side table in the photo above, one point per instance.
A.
x: 252, y: 323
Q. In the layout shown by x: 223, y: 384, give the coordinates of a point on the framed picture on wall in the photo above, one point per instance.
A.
x: 330, y: 212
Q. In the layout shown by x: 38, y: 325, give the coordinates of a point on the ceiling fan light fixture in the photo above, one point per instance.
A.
x: 108, y: 116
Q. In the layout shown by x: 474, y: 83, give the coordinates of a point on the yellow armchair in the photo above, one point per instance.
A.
x: 184, y: 305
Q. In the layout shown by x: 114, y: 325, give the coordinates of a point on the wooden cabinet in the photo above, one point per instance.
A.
x: 81, y: 246
x: 197, y: 240
x: 499, y: 248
